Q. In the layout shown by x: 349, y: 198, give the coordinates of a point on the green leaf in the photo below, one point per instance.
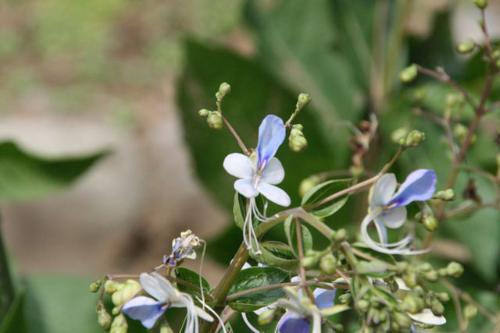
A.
x: 14, y: 320
x: 239, y: 210
x: 25, y: 176
x: 60, y: 304
x: 307, y: 240
x: 190, y: 281
x: 322, y: 190
x: 256, y: 277
x: 373, y: 268
x: 330, y: 209
x: 295, y: 40
x: 278, y: 254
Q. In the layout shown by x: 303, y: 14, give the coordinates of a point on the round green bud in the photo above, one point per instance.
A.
x: 311, y: 260
x: 297, y: 142
x: 402, y: 319
x: 398, y: 136
x: 214, y: 120
x: 328, y: 263
x: 340, y: 235
x: 412, y: 304
x: 445, y: 195
x: 95, y: 286
x: 466, y: 47
x: 129, y: 290
x: 410, y: 278
x: 481, y: 4
x: 409, y: 73
x: 224, y: 89
x: 266, y: 317
x: 308, y: 184
x: 431, y: 276
x: 119, y: 324
x: 116, y: 310
x: 303, y: 100
x: 443, y: 297
x: 430, y: 223
x: 425, y: 267
x: 414, y: 138
x: 460, y: 131
x: 345, y: 298
x: 470, y: 311
x: 437, y: 307
x: 111, y: 286
x: 362, y: 305
x: 103, y: 317
x: 401, y: 266
x: 454, y: 269
x: 203, y: 112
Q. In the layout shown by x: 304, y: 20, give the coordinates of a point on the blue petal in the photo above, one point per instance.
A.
x: 292, y: 323
x: 272, y: 133
x: 145, y: 309
x: 324, y: 298
x: 420, y: 185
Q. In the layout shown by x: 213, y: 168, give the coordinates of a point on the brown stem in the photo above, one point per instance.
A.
x: 302, y: 269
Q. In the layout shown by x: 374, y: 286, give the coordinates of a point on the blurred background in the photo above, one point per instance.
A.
x: 80, y: 77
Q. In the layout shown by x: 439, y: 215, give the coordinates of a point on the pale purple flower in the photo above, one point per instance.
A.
x: 164, y: 295
x: 387, y: 207
x: 183, y: 247
x: 258, y: 174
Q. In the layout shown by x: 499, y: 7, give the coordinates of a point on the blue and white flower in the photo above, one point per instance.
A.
x: 183, y: 247
x: 164, y: 296
x: 387, y: 208
x: 258, y: 174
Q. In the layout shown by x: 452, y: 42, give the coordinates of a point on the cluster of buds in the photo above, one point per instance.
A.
x: 183, y: 247
x: 326, y: 260
x: 297, y: 141
x: 214, y: 118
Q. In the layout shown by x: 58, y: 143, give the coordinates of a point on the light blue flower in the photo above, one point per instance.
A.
x: 259, y: 174
x: 164, y: 295
x: 387, y: 207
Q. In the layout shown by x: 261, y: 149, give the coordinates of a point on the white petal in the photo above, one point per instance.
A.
x: 273, y: 173
x: 401, y: 284
x: 383, y: 190
x: 427, y: 317
x: 154, y: 287
x: 245, y: 188
x: 274, y: 194
x: 239, y: 165
x: 393, y: 218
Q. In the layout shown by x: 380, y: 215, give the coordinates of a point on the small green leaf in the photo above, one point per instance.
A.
x: 330, y: 209
x: 189, y: 281
x: 25, y: 176
x: 278, y: 254
x: 14, y: 320
x: 256, y: 277
x: 320, y: 191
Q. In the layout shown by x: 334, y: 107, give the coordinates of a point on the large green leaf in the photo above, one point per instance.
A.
x: 25, y: 176
x: 254, y: 94
x: 14, y: 319
x: 253, y: 278
x: 295, y: 40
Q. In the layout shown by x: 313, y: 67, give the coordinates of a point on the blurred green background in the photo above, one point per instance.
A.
x: 124, y: 80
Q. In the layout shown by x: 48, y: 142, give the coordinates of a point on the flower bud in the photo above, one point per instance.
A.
x: 311, y: 259
x: 481, y: 4
x: 410, y: 278
x: 399, y: 135
x: 466, y: 47
x: 443, y: 297
x: 129, y: 290
x: 402, y: 319
x: 345, y: 298
x: 414, y: 138
x: 95, y: 286
x: 445, y: 195
x: 454, y: 269
x: 111, y: 286
x: 431, y: 276
x: 103, y: 317
x: 297, y: 141
x: 266, y: 317
x: 409, y: 73
x: 362, y: 305
x: 328, y: 263
x: 303, y: 100
x: 460, y: 132
x: 224, y: 89
x: 203, y: 112
x: 340, y: 235
x: 214, y: 120
x: 470, y: 311
x: 437, y: 308
x: 412, y: 304
x: 307, y: 184
x: 430, y: 223
x: 119, y: 324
